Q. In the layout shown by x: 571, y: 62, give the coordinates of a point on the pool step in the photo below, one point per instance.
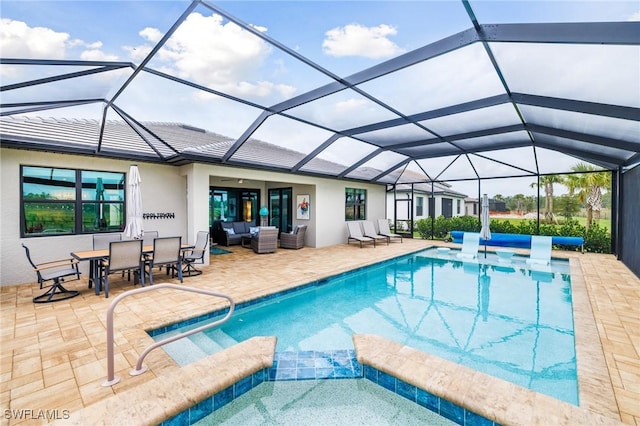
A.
x: 213, y: 341
x: 184, y: 351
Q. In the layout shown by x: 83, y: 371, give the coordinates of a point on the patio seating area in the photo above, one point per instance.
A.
x: 54, y: 354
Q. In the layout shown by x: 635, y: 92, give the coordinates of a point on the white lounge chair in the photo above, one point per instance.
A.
x: 370, y: 231
x: 355, y: 233
x: 540, y: 250
x: 470, y: 243
x: 383, y: 226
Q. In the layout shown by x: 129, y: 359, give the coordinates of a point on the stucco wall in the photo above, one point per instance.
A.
x: 167, y: 189
x: 161, y: 189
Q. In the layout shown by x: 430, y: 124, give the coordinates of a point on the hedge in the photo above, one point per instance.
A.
x: 596, y: 240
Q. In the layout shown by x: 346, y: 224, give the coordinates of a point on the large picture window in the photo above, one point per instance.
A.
x: 355, y: 204
x: 59, y: 201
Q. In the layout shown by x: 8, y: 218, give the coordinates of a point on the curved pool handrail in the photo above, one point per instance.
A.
x: 112, y: 379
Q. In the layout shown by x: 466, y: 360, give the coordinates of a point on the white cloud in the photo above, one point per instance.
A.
x: 635, y: 16
x: 18, y: 40
x: 137, y: 53
x: 218, y: 55
x: 350, y: 105
x: 151, y: 34
x: 358, y: 40
x: 97, y: 55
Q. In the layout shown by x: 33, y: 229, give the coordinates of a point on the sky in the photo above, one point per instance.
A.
x: 336, y: 38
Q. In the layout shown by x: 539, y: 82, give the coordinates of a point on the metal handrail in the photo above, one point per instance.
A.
x: 112, y: 379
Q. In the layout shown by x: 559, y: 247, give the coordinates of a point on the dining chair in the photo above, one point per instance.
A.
x: 101, y: 242
x: 148, y: 237
x: 123, y: 256
x: 55, y: 271
x: 167, y: 253
x: 195, y: 255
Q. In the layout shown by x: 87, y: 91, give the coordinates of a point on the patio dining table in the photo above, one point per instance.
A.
x: 96, y: 256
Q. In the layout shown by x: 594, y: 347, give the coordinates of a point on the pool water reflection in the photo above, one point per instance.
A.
x: 499, y: 318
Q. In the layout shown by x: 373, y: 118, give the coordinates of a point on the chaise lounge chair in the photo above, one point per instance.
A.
x: 540, y: 250
x: 470, y: 243
x: 370, y: 231
x: 355, y: 233
x: 383, y: 226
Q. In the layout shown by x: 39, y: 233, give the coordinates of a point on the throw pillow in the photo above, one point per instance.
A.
x: 230, y: 231
x: 253, y: 230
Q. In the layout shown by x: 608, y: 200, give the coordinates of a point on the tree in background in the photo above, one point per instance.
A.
x: 567, y: 206
x: 587, y: 186
x: 548, y: 181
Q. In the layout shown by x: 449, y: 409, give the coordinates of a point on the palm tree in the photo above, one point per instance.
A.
x: 548, y: 182
x: 589, y: 183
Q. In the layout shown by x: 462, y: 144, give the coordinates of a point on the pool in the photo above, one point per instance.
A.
x: 326, y: 402
x: 496, y: 317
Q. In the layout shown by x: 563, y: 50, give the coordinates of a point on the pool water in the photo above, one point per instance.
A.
x: 322, y: 402
x: 496, y: 317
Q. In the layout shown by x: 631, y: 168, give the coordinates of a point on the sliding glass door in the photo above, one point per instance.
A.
x: 234, y: 205
x: 280, y: 211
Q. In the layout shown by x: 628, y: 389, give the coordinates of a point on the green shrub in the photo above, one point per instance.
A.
x: 503, y: 227
x: 597, y: 240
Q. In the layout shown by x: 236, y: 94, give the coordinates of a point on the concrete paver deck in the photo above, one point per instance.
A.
x: 53, y: 356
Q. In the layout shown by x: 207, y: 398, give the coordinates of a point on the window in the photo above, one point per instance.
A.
x: 66, y: 202
x: 419, y: 206
x: 458, y: 206
x: 355, y: 204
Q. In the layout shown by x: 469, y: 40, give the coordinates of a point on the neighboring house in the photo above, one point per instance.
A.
x: 472, y: 206
x: 442, y: 202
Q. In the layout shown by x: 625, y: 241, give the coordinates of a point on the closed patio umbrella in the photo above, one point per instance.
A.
x: 134, y: 205
x: 485, y: 232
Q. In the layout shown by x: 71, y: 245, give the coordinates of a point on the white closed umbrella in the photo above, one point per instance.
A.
x: 134, y: 205
x: 485, y: 232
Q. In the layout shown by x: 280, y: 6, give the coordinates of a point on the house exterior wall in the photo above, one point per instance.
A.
x: 160, y: 187
x: 182, y: 190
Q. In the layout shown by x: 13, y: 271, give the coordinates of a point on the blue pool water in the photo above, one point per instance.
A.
x: 499, y: 318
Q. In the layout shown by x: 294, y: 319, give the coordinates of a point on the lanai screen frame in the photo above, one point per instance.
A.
x: 613, y: 154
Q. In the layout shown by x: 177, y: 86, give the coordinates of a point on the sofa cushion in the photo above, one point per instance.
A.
x: 240, y: 227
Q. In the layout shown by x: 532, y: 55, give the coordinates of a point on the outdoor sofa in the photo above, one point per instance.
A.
x: 231, y: 233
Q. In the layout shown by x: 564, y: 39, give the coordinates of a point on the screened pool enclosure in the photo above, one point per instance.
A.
x: 383, y: 92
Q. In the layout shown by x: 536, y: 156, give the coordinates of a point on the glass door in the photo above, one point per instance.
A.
x: 250, y: 207
x: 280, y: 211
